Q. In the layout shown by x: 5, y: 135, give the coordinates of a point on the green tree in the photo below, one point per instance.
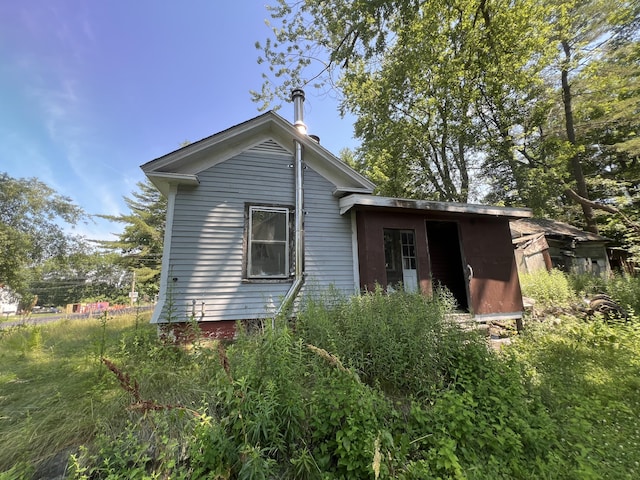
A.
x: 140, y: 243
x: 424, y: 79
x: 607, y: 125
x: 85, y: 275
x: 32, y: 216
x: 448, y: 94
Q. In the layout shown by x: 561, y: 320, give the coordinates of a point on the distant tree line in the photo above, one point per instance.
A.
x: 42, y: 261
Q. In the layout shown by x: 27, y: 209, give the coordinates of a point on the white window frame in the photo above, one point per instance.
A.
x: 286, y: 212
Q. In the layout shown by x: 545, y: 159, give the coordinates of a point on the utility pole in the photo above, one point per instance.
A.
x: 132, y: 295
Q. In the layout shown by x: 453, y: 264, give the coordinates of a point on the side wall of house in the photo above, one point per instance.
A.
x: 208, y: 232
x: 580, y: 257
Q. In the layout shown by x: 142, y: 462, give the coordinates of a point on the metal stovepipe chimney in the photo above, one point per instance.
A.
x: 297, y: 96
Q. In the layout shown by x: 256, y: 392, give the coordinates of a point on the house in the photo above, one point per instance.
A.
x: 261, y: 214
x: 8, y: 301
x: 543, y: 243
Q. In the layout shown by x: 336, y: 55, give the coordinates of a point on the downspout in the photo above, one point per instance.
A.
x: 297, y: 96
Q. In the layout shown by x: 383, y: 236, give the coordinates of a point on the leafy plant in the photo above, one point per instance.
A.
x: 319, y: 402
x: 547, y: 288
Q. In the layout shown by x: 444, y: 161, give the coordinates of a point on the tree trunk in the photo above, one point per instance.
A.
x: 576, y: 164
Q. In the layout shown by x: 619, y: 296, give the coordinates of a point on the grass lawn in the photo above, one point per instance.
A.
x: 54, y: 391
x: 56, y: 395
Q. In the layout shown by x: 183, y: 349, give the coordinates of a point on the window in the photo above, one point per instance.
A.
x: 268, y: 242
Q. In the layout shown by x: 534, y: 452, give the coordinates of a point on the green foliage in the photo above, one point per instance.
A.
x: 282, y: 411
x: 587, y: 377
x: 54, y: 396
x: 624, y: 289
x: 85, y: 274
x: 139, y: 246
x: 31, y: 231
x: 512, y: 103
x: 142, y: 450
x: 400, y: 342
x: 462, y: 407
x: 547, y: 288
x: 318, y: 401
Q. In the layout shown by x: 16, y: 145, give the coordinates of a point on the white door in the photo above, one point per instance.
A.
x: 409, y: 270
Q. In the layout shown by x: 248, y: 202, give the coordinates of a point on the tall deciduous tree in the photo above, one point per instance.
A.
x: 442, y: 88
x: 140, y: 243
x: 32, y: 215
x: 423, y: 78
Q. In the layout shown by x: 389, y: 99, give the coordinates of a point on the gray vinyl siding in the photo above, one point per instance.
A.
x: 206, y: 256
x: 328, y: 244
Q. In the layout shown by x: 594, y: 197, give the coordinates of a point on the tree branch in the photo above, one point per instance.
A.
x: 605, y: 208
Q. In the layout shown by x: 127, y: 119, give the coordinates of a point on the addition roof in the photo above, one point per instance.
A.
x: 182, y: 166
x: 356, y: 201
x: 552, y: 229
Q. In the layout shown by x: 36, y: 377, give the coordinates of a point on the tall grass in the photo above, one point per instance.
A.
x: 381, y: 386
x: 54, y: 390
x: 401, y: 342
x: 587, y: 374
x: 624, y: 289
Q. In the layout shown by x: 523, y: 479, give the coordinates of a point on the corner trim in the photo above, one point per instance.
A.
x: 166, y: 250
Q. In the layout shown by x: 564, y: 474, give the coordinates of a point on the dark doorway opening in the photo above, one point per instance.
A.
x: 445, y: 256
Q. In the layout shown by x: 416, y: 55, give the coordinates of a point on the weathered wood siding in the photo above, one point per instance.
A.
x: 485, y: 247
x: 206, y: 257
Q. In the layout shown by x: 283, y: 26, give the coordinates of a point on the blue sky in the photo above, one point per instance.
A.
x: 91, y: 90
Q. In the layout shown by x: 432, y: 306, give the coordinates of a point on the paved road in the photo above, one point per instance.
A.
x: 49, y: 318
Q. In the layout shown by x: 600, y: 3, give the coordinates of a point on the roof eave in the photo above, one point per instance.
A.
x: 359, y: 200
x: 340, y: 192
x: 163, y: 180
x: 194, y: 158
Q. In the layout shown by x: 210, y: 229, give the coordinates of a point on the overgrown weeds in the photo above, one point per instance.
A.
x: 52, y: 389
x: 549, y: 289
x: 375, y: 387
x: 381, y: 386
x: 587, y: 375
x: 624, y: 289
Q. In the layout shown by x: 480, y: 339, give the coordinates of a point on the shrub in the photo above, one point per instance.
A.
x: 547, y: 288
x: 459, y: 408
x: 400, y: 342
x: 384, y: 386
x: 281, y: 410
x: 625, y: 289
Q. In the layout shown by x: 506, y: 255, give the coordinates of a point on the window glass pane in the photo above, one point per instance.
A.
x: 266, y: 225
x: 268, y: 243
x: 268, y: 259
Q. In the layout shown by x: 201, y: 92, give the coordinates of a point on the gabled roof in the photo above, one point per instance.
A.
x: 182, y: 166
x: 552, y: 229
x: 370, y: 201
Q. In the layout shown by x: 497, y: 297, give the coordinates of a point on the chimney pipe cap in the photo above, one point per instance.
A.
x: 297, y: 92
x: 297, y: 96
